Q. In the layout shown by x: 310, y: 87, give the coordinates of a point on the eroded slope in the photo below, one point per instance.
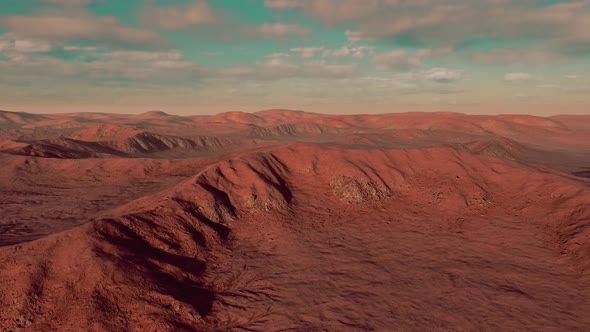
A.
x: 307, y: 237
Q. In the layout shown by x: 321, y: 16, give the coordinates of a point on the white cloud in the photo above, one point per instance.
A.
x: 350, y: 51
x: 143, y: 65
x: 145, y: 55
x: 398, y: 59
x: 211, y: 53
x: 273, y: 31
x: 338, y: 11
x: 356, y: 36
x: 279, y: 29
x: 75, y: 25
x: 517, y: 56
x: 237, y: 71
x: 80, y: 48
x: 433, y: 75
x: 180, y: 17
x: 559, y: 28
x: 10, y: 43
x: 518, y: 77
x: 403, y: 59
x: 580, y: 90
x: 417, y: 82
x: 70, y: 3
x: 278, y: 55
x: 277, y: 68
x: 426, y: 52
x: 307, y: 52
x: 283, y: 4
x: 101, y: 68
x: 520, y: 97
x: 443, y: 75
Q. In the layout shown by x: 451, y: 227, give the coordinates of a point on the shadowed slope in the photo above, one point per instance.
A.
x: 102, y: 140
x: 502, y: 148
x: 14, y: 119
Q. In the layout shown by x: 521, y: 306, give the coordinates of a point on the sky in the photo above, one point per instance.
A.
x: 330, y: 56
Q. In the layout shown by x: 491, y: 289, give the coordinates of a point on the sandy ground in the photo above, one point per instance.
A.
x: 292, y: 221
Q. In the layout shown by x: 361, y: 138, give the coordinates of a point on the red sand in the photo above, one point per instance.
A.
x: 390, y: 222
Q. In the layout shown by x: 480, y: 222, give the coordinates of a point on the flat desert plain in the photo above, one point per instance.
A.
x: 292, y: 221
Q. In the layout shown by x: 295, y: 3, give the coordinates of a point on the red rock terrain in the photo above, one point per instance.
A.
x: 292, y: 221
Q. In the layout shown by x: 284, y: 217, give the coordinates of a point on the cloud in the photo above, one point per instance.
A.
x: 180, y: 17
x: 278, y: 55
x: 237, y: 71
x: 145, y: 55
x: 350, y: 51
x: 307, y: 52
x: 398, y: 59
x: 76, y: 25
x: 426, y: 52
x: 577, y: 90
x: 433, y: 81
x: 211, y: 53
x: 443, y: 75
x: 333, y: 11
x: 283, y: 4
x: 145, y: 64
x: 338, y: 11
x: 518, y: 77
x: 70, y: 3
x: 142, y: 67
x: 402, y: 59
x: 279, y: 29
x: 520, y: 97
x: 559, y: 28
x: 278, y: 68
x: 238, y: 30
x: 80, y: 48
x: 437, y: 75
x: 11, y: 43
x: 355, y: 36
x: 445, y: 21
x: 517, y: 56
